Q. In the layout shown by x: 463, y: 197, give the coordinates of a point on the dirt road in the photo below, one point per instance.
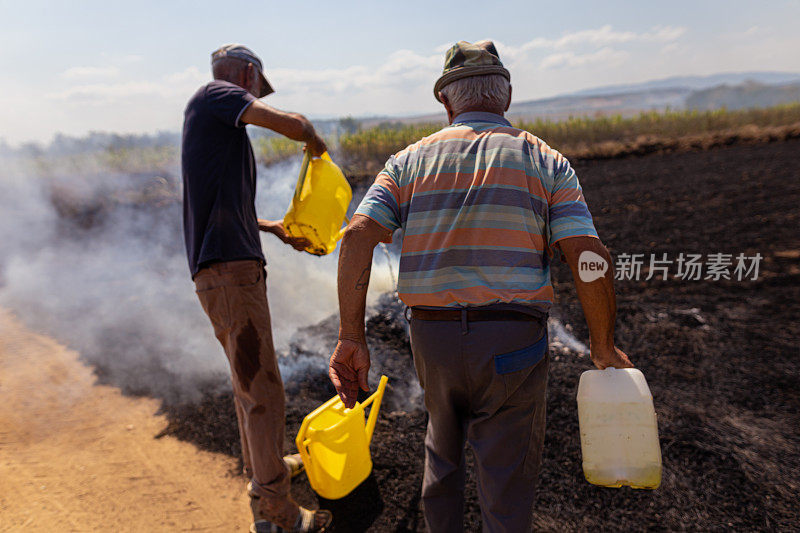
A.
x: 75, y: 456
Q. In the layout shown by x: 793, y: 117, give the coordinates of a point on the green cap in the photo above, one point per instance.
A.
x: 467, y: 59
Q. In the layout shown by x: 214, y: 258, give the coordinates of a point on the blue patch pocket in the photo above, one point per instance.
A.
x: 522, y: 358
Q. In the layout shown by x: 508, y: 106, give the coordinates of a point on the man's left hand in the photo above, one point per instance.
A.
x: 277, y: 228
x: 298, y: 243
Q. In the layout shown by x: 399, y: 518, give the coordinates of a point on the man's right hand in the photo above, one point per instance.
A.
x: 316, y: 145
x: 609, y: 357
x: 348, y: 370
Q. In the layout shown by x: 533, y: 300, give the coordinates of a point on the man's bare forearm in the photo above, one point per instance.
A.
x: 597, y: 297
x: 268, y: 225
x: 355, y: 266
x: 292, y: 125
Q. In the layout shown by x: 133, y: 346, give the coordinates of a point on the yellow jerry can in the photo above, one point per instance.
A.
x: 318, y: 210
x: 334, y: 444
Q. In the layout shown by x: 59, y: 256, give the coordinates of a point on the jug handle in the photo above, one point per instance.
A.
x: 373, y: 413
x: 298, y: 188
x: 342, y: 230
x: 302, y: 448
x: 301, y: 441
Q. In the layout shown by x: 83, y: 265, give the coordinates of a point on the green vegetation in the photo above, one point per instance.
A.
x: 145, y: 159
x: 271, y: 149
x: 363, y: 152
x: 138, y: 159
x: 574, y: 132
x: 367, y: 150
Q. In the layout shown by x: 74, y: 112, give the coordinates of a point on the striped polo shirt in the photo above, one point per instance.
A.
x: 481, y: 205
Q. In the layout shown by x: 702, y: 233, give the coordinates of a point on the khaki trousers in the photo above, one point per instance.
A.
x: 485, y: 383
x: 234, y: 296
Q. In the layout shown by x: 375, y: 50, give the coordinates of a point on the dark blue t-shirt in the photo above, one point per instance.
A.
x: 219, y: 178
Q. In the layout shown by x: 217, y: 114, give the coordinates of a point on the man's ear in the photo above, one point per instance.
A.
x: 447, y: 107
x: 251, y: 73
x: 241, y: 77
x: 508, y: 104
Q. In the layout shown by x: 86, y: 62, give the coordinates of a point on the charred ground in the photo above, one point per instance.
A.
x: 720, y: 357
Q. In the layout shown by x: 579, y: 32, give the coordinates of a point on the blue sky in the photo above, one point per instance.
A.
x: 131, y: 66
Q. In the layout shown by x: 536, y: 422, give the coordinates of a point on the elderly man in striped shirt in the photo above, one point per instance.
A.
x: 482, y: 207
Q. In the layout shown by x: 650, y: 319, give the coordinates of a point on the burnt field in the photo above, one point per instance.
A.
x: 721, y: 358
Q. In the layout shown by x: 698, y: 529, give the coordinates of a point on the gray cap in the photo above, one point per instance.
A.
x: 240, y: 51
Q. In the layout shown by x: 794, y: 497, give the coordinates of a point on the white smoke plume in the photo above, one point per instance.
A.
x: 95, y: 257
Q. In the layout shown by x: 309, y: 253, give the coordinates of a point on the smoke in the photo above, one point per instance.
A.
x: 301, y: 288
x: 92, y: 253
x: 94, y: 256
x: 562, y: 340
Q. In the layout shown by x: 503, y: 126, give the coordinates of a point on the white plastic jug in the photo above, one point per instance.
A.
x: 619, y: 435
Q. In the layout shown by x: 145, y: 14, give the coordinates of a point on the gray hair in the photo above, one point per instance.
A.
x: 489, y: 91
x: 228, y: 68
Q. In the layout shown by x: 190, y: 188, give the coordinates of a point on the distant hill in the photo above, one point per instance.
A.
x: 732, y: 90
x: 743, y: 96
x: 624, y: 103
x: 695, y: 82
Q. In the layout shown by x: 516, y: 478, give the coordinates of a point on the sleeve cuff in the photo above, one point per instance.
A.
x: 238, y: 122
x: 391, y: 231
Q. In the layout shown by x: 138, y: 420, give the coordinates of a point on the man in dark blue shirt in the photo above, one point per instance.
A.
x: 225, y: 258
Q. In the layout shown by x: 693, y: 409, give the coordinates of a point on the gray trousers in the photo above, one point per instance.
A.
x: 485, y: 383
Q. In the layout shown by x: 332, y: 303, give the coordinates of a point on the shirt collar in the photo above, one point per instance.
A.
x: 480, y: 116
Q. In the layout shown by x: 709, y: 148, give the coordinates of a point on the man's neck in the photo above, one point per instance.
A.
x: 453, y: 114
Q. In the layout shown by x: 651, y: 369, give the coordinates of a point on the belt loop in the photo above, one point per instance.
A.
x: 464, y: 324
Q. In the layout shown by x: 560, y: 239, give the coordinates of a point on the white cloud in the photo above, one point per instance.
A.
x: 77, y: 73
x: 442, y: 48
x: 400, y: 83
x: 403, y: 77
x: 103, y: 93
x: 401, y: 69
x: 665, y: 34
x: 597, y: 37
x: 189, y: 75
x: 671, y: 48
x: 605, y: 57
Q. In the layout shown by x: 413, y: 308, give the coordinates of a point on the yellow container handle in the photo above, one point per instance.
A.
x: 298, y: 188
x: 343, y: 228
x: 302, y: 448
x: 301, y: 441
x: 373, y: 414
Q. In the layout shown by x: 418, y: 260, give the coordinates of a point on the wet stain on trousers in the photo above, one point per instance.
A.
x: 247, y: 362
